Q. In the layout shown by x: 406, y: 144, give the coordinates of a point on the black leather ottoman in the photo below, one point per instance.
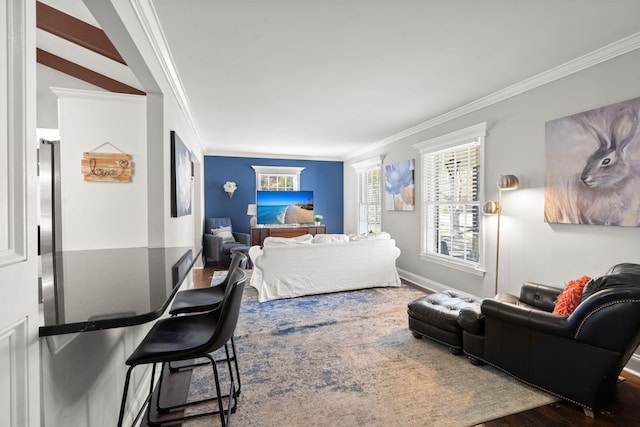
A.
x: 435, y: 316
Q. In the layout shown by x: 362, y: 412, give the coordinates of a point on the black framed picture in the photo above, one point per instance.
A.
x: 180, y: 177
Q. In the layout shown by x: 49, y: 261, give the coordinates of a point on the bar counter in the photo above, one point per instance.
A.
x: 111, y: 288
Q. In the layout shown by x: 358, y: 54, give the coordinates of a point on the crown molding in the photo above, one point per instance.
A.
x: 262, y: 155
x: 583, y: 62
x: 148, y: 18
x: 454, y: 138
x: 61, y: 92
x: 367, y: 163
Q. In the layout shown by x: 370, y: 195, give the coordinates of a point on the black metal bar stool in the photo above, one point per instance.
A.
x: 191, y: 337
x: 205, y: 299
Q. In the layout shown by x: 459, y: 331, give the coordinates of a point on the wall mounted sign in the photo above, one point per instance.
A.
x: 107, y: 167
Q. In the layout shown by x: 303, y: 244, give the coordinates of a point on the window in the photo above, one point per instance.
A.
x: 369, y: 195
x: 451, y: 208
x: 276, y: 178
x: 273, y: 182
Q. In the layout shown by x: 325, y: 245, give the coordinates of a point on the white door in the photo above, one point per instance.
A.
x: 19, y: 320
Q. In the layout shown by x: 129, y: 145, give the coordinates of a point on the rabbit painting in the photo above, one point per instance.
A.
x: 593, y: 167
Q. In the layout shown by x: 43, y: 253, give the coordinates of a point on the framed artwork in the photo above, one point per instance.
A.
x: 180, y: 177
x: 592, y: 167
x: 399, y: 186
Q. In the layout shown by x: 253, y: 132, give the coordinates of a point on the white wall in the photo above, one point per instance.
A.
x: 167, y: 111
x: 164, y: 114
x: 83, y: 374
x: 47, y: 101
x: 100, y: 215
x: 181, y: 231
x: 530, y: 249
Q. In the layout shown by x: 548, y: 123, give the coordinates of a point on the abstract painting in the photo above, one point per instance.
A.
x: 180, y: 177
x: 592, y: 167
x: 399, y: 186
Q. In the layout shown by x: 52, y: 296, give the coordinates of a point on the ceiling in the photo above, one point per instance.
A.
x: 329, y: 79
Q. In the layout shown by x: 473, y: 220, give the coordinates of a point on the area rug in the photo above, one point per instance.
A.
x: 348, y: 359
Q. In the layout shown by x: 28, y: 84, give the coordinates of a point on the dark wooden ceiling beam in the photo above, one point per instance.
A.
x: 78, y: 71
x: 76, y: 31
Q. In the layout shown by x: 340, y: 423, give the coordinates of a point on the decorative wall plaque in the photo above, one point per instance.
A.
x: 109, y: 167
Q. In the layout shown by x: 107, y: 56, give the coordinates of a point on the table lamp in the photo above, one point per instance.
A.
x: 252, y: 209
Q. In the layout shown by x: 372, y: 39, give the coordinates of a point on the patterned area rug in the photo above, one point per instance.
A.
x: 348, y: 359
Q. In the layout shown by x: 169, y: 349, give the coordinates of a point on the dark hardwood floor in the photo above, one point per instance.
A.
x: 622, y: 410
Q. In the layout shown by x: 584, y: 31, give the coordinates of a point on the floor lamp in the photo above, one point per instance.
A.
x: 505, y: 183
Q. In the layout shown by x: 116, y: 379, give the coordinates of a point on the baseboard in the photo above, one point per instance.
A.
x: 422, y: 282
x: 633, y: 366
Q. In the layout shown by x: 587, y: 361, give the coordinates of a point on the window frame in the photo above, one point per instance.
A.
x: 476, y: 133
x: 278, y: 171
x: 362, y: 168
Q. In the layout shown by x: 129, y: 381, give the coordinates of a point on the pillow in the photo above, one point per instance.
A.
x: 225, y: 233
x: 383, y: 235
x: 283, y: 241
x: 330, y: 238
x: 569, y: 299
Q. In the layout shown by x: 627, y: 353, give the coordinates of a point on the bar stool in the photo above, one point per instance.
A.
x: 190, y: 337
x: 205, y: 299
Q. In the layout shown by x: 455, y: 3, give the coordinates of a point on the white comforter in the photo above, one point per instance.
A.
x: 302, y: 268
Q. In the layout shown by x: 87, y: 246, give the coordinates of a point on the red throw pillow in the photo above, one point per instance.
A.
x: 569, y: 299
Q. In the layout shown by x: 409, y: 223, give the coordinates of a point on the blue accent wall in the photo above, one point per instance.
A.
x: 324, y: 178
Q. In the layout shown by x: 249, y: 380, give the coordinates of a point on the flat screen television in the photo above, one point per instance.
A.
x: 284, y: 207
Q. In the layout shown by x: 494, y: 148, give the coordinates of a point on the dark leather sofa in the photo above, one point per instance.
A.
x: 577, y: 358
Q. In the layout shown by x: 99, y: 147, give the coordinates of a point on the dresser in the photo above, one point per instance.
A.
x: 258, y: 234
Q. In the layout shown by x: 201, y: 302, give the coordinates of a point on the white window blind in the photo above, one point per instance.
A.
x: 369, y: 196
x: 451, y: 203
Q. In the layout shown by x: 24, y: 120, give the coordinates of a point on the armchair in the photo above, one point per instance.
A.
x: 214, y: 249
x: 577, y: 358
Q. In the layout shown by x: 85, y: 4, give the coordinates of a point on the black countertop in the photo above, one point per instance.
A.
x: 111, y: 288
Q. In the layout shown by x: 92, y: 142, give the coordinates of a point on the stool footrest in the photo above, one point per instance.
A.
x: 435, y: 316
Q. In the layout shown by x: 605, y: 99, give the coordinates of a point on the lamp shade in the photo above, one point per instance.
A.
x: 508, y: 182
x: 252, y: 209
x: 491, y: 208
